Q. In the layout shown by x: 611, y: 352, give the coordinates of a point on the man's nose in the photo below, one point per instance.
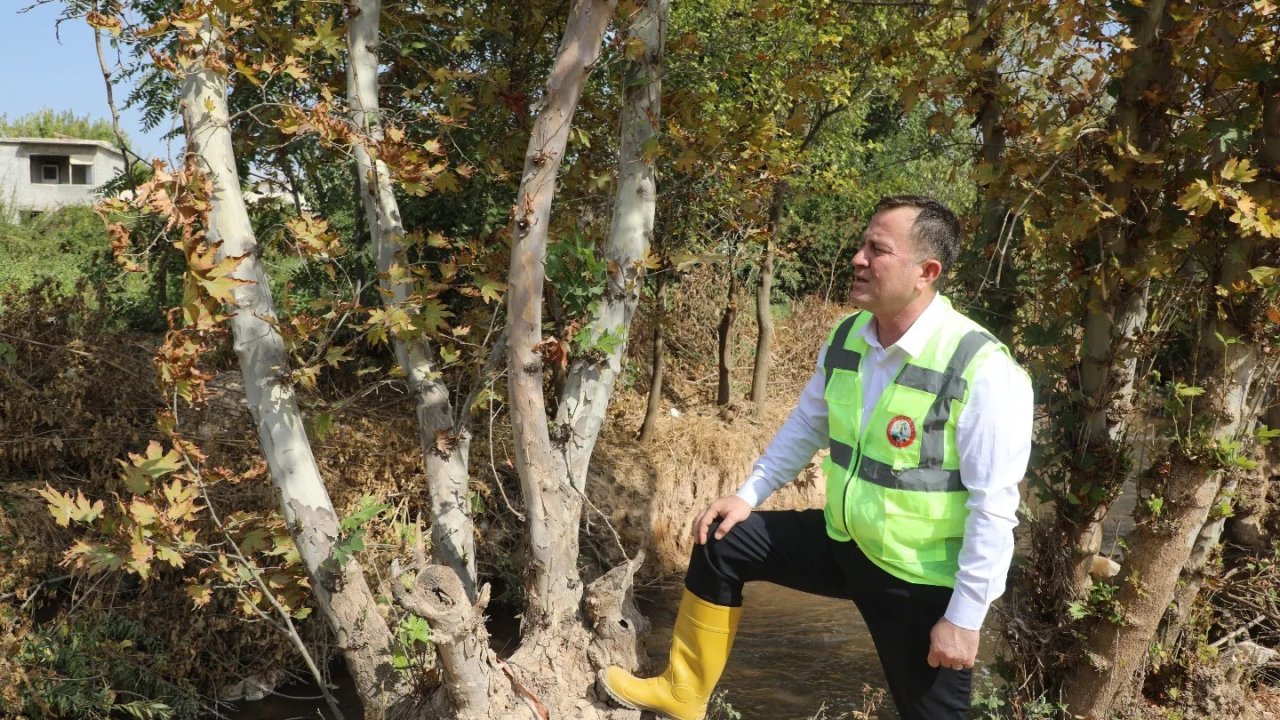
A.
x: 860, y: 258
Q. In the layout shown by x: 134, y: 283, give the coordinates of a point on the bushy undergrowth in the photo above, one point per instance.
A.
x: 66, y: 251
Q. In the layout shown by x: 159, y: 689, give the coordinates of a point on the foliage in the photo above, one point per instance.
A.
x: 1103, y: 186
x: 48, y: 123
x: 100, y: 668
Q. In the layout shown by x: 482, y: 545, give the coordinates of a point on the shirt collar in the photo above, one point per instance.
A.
x: 914, y: 340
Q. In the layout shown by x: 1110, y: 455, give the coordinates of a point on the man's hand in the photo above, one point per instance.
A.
x: 730, y: 510
x: 952, y: 647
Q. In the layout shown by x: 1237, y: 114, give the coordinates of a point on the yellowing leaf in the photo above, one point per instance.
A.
x: 167, y: 554
x: 143, y: 512
x: 92, y: 557
x: 1239, y: 170
x: 634, y: 48
x: 1264, y: 275
x: 1199, y: 197
x: 490, y: 289
x: 65, y: 508
x: 101, y: 21
x: 200, y: 594
x: 433, y: 317
x: 156, y: 463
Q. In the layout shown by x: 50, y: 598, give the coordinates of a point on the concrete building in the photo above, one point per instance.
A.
x: 42, y: 174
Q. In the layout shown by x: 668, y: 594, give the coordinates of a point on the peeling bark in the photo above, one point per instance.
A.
x: 553, y: 583
x: 340, y: 590
x: 616, y: 621
x: 591, y: 379
x: 444, y: 441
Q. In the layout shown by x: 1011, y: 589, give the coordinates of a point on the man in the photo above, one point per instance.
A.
x: 928, y: 422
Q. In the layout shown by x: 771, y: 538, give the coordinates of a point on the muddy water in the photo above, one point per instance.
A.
x: 819, y: 656
x: 794, y: 653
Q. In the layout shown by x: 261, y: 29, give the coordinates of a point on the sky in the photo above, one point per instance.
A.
x: 41, y: 70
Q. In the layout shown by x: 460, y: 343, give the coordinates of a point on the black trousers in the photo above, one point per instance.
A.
x: 792, y: 549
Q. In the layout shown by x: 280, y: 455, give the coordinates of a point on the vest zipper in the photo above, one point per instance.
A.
x: 856, y: 465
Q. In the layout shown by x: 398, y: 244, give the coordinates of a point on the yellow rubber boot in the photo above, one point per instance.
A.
x: 700, y: 644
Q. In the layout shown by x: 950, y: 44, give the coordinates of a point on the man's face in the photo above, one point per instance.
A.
x: 887, y: 270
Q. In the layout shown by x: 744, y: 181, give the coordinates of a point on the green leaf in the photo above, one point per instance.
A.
x: 433, y: 317
x: 490, y: 289
x: 368, y: 509
x: 1078, y: 610
x: 1155, y: 505
x: 320, y: 425
x: 8, y: 354
x: 1264, y: 275
x: 1188, y: 390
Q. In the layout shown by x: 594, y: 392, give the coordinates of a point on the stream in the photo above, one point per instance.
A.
x: 820, y: 657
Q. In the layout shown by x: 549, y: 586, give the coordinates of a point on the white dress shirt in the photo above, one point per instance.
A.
x: 993, y: 440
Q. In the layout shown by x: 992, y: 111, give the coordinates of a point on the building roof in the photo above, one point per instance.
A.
x: 60, y: 141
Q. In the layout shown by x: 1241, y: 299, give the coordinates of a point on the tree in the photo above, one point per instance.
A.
x: 571, y: 628
x: 49, y: 123
x: 341, y: 591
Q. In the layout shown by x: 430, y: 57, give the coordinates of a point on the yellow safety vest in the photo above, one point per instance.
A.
x: 894, y: 486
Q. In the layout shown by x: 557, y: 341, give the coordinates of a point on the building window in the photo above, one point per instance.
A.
x: 50, y: 169
x: 79, y: 174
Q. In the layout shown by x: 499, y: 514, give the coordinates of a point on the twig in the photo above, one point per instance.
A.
x: 1237, y: 632
x: 486, y: 378
x: 290, y: 630
x: 73, y: 351
x: 125, y: 151
x: 34, y: 590
x: 493, y: 466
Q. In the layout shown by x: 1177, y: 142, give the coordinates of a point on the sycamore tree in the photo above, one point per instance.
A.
x: 301, y: 70
x: 1128, y: 231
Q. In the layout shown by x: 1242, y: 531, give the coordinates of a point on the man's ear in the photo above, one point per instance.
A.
x: 930, y: 271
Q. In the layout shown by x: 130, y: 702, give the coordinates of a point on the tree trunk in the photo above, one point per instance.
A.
x: 553, y: 584
x: 445, y: 442
x: 1116, y: 310
x: 1187, y: 481
x: 996, y: 228
x: 1267, y: 142
x: 341, y: 593
x: 659, y: 360
x: 724, y: 335
x: 591, y: 378
x: 764, y: 297
x: 764, y: 289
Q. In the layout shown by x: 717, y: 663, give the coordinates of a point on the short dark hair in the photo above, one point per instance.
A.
x: 935, y: 231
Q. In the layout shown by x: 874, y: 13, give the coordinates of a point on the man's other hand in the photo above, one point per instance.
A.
x: 729, y: 510
x: 951, y: 646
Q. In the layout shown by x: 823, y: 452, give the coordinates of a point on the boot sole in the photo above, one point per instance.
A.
x: 627, y: 703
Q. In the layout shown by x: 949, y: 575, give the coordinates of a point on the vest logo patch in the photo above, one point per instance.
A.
x: 901, y: 431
